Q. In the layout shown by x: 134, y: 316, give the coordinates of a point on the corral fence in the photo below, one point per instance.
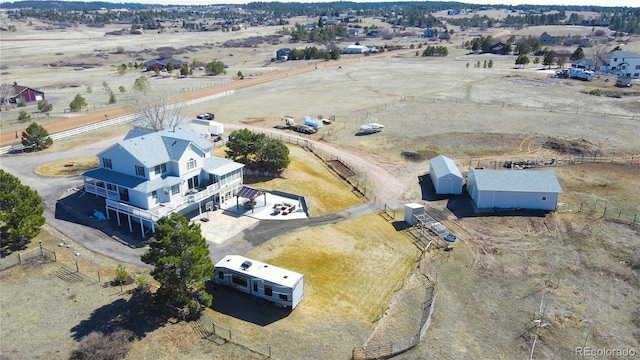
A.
x: 24, y: 258
x: 208, y: 329
x: 389, y: 349
x: 518, y: 164
x: 601, y: 209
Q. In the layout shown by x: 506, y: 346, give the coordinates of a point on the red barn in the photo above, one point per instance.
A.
x: 14, y: 93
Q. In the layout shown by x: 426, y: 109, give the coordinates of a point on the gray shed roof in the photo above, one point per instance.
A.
x: 516, y: 181
x: 442, y: 165
x: 163, y: 146
x: 219, y: 166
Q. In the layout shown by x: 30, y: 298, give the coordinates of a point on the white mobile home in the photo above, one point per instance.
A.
x: 281, y: 286
x: 514, y: 189
x: 445, y: 175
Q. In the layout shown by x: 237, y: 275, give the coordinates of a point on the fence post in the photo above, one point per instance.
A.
x: 19, y: 259
x: 77, y: 269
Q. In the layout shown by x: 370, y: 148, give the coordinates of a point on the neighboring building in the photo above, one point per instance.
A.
x: 360, y: 49
x: 353, y: 32
x: 498, y: 48
x: 283, y: 54
x: 159, y: 65
x: 150, y: 175
x: 14, y: 93
x: 374, y: 33
x: 622, y: 63
x: 280, y: 286
x: 513, y: 189
x: 429, y: 33
x: 548, y: 39
x: 586, y: 64
x: 445, y: 175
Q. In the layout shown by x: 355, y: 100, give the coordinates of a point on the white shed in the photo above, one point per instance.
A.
x: 280, y: 286
x: 514, y: 189
x: 445, y: 175
x: 410, y: 210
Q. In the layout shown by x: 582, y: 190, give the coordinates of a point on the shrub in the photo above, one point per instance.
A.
x: 142, y: 284
x: 99, y: 346
x: 122, y: 275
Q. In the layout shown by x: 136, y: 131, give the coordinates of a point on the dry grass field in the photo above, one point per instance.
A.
x: 577, y: 272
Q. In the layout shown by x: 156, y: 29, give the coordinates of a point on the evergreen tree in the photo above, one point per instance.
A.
x: 20, y: 213
x: 36, y: 137
x: 180, y: 257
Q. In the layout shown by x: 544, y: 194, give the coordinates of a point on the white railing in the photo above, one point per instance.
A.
x: 109, y: 122
x: 165, y: 208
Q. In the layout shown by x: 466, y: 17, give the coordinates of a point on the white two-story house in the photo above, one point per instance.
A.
x: 622, y: 63
x: 150, y: 175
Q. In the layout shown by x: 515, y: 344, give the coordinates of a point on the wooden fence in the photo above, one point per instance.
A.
x: 20, y: 258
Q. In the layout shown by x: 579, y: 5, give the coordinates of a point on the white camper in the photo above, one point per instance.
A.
x: 280, y: 286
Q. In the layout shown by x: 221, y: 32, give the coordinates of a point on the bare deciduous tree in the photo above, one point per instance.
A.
x: 598, y: 51
x: 155, y: 110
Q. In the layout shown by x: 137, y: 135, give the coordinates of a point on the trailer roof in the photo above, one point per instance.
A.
x: 260, y: 270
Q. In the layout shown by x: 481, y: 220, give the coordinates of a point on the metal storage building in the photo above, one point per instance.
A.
x: 513, y: 189
x: 445, y: 175
x: 280, y: 286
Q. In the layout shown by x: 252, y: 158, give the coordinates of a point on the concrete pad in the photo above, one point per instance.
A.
x: 223, y: 224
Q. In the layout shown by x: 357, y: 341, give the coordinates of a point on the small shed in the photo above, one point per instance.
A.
x: 410, y: 210
x: 445, y: 175
x: 514, y: 189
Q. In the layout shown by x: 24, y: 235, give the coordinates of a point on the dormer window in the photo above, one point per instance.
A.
x: 139, y: 170
x: 106, y: 163
x: 160, y: 169
x: 191, y: 164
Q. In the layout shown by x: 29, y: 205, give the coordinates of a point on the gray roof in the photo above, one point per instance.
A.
x: 621, y: 54
x: 516, y: 181
x: 442, y: 165
x: 220, y: 166
x: 130, y: 181
x: 163, y: 146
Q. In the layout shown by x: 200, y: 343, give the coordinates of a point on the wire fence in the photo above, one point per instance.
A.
x: 529, y: 163
x: 26, y: 257
x: 600, y: 209
x: 389, y: 349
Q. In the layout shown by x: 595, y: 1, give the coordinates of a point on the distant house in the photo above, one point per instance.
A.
x: 160, y: 64
x: 150, y: 175
x: 360, y: 49
x: 548, y: 39
x: 498, y: 48
x: 283, y: 54
x: 353, y: 31
x: 586, y: 64
x: 445, y: 175
x: 513, y: 189
x: 375, y: 33
x: 15, y: 93
x: 622, y: 63
x: 429, y: 33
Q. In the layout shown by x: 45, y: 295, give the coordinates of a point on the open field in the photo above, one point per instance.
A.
x: 583, y: 269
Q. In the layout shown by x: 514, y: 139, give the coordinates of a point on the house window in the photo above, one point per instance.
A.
x: 139, y: 170
x: 160, y: 169
x: 220, y: 275
x: 283, y: 297
x: 175, y: 189
x: 154, y: 195
x: 268, y: 290
x: 544, y: 198
x: 637, y: 67
x: 106, y: 163
x: 193, y: 182
x: 255, y: 287
x: 111, y: 187
x: 239, y: 280
x: 191, y: 164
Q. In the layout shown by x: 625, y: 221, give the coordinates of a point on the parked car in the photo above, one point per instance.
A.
x: 206, y: 116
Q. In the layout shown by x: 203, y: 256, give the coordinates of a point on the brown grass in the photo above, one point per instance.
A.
x: 68, y: 167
